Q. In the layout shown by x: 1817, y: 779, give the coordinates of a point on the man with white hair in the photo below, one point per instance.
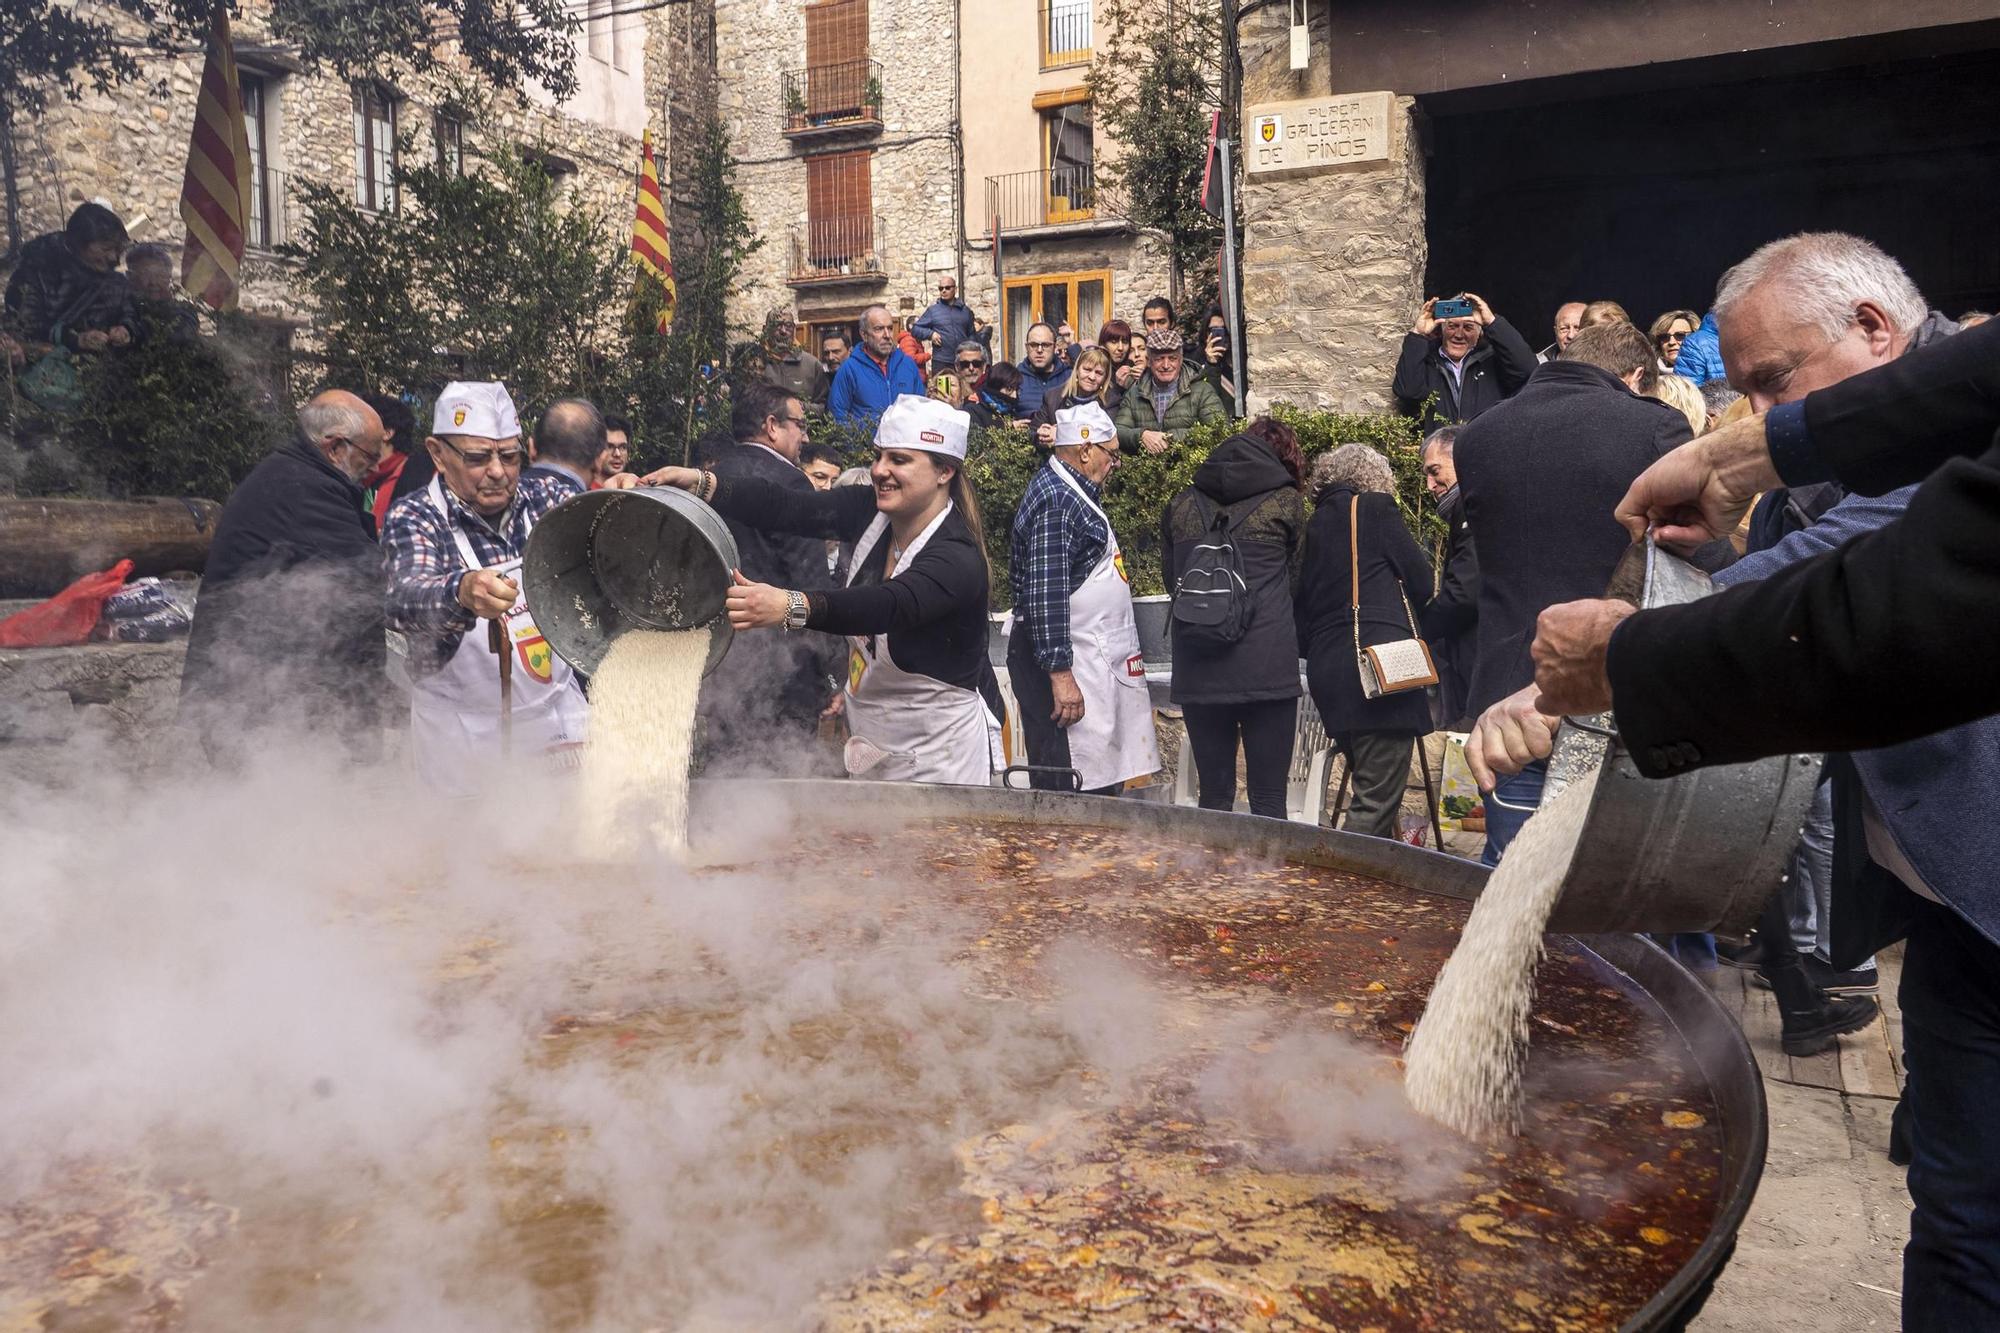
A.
x: 454, y: 561
x: 289, y: 625
x: 1073, y: 651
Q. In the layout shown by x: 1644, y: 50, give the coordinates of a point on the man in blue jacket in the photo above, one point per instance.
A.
x: 874, y: 376
x: 948, y: 322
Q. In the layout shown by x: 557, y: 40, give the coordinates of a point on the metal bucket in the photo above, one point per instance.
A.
x: 604, y: 562
x: 1698, y: 851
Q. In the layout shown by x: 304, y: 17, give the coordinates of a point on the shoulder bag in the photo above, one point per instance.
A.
x: 1386, y: 668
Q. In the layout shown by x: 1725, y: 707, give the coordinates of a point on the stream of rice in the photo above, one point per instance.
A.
x: 1462, y: 1066
x: 635, y: 766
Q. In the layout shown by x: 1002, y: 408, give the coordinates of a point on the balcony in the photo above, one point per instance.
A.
x: 829, y: 252
x: 1065, y: 33
x: 1057, y: 200
x: 270, y: 210
x: 826, y: 100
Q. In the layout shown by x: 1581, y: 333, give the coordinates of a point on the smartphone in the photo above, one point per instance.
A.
x: 1454, y: 309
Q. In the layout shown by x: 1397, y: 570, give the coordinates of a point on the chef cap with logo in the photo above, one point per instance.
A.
x: 923, y: 423
x: 1085, y: 423
x: 479, y: 408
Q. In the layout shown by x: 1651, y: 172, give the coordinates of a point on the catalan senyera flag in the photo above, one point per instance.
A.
x: 215, y: 195
x: 650, y: 250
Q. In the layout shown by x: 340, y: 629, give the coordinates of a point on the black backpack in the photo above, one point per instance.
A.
x: 1211, y: 600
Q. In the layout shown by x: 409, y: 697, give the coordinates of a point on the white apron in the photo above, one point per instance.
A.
x: 1114, y: 740
x: 905, y: 727
x: 455, y: 711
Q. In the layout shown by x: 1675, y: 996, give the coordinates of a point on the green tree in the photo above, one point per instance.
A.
x: 485, y: 276
x: 1154, y: 84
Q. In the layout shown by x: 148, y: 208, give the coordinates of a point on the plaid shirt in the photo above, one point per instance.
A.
x: 425, y: 566
x: 1057, y: 540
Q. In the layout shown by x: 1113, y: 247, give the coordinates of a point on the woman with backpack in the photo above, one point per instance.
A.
x: 1359, y: 554
x: 1233, y: 544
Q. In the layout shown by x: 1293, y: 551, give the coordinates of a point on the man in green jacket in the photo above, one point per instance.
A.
x: 1159, y: 410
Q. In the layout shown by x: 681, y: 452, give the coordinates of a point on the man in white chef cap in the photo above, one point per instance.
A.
x: 1073, y: 652
x: 454, y: 557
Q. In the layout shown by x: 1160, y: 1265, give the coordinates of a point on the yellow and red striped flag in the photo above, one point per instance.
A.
x: 215, y: 195
x: 650, y: 250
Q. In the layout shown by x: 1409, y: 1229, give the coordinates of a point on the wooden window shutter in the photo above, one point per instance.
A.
x: 840, y: 204
x: 836, y: 57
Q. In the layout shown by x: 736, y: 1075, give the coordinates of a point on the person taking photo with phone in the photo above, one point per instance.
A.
x: 1458, y: 359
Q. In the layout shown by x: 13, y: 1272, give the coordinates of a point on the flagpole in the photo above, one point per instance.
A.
x: 1232, y: 310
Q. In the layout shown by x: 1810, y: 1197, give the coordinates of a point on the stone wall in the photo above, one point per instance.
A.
x: 1333, y: 263
x: 108, y: 704
x: 129, y: 146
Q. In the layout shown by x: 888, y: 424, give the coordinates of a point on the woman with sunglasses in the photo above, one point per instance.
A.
x: 1669, y: 331
x: 914, y: 608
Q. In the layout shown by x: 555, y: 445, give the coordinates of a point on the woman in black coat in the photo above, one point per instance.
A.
x: 1245, y: 691
x: 1375, y: 735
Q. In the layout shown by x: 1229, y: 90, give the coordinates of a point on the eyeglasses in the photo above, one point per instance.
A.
x: 799, y: 422
x: 969, y: 365
x: 1041, y: 346
x: 477, y: 458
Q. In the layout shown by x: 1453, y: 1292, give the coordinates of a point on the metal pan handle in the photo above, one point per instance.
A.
x: 1075, y: 778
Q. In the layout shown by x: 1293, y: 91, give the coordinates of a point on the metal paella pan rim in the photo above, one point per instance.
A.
x: 1715, y: 1042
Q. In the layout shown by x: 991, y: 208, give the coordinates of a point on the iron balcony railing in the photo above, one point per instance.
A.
x: 1052, y: 197
x: 844, y: 95
x: 838, y: 249
x: 1065, y: 33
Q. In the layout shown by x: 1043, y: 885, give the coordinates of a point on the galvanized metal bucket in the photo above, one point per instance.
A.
x: 653, y: 558
x: 1698, y: 851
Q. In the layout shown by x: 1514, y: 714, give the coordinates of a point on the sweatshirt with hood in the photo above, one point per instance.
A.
x: 1245, y: 480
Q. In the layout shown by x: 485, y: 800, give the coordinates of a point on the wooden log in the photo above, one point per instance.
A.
x: 47, y: 544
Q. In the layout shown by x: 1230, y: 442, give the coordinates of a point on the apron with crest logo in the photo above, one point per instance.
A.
x: 455, y: 711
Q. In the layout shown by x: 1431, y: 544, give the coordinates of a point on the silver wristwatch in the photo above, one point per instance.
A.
x: 796, y: 609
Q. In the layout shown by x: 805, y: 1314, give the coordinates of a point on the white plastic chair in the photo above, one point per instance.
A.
x: 1305, y: 784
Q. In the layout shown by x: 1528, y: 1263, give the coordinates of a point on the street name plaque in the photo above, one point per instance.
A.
x: 1318, y: 133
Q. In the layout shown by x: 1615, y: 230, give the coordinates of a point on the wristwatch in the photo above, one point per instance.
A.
x: 796, y: 609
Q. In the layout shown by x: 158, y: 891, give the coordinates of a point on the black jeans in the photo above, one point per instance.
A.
x: 1265, y: 729
x: 1047, y: 744
x: 1378, y: 763
x: 1950, y: 995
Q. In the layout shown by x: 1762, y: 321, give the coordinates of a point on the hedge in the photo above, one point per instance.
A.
x: 1001, y: 462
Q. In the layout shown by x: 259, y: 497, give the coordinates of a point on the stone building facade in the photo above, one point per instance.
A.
x: 876, y: 143
x: 128, y: 147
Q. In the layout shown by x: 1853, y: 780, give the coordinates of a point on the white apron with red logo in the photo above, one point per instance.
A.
x: 1114, y: 740
x: 455, y: 711
x: 906, y: 727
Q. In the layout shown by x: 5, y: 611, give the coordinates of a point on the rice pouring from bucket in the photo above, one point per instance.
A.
x: 635, y: 765
x: 1462, y: 1066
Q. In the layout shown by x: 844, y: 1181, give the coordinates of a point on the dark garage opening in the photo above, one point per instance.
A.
x: 1642, y: 186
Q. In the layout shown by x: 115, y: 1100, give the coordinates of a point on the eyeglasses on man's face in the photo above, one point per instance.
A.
x: 969, y: 365
x: 1039, y: 345
x: 478, y: 458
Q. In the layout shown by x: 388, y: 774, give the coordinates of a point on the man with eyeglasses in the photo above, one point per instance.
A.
x: 760, y: 714
x: 289, y: 627
x: 786, y: 364
x: 1043, y: 373
x: 454, y: 554
x: 948, y: 322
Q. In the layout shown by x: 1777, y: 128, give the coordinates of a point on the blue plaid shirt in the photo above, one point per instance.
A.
x: 425, y: 567
x: 1057, y: 540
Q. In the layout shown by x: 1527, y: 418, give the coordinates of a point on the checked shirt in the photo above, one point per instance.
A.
x: 1055, y: 543
x: 425, y: 567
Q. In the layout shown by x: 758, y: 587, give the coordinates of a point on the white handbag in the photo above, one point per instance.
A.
x: 1386, y: 668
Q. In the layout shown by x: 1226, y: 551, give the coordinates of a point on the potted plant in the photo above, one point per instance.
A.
x: 871, y: 98
x: 795, y: 106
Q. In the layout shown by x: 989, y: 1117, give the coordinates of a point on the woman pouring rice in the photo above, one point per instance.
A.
x: 914, y: 608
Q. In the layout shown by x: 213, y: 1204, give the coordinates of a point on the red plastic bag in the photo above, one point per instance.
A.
x: 69, y: 616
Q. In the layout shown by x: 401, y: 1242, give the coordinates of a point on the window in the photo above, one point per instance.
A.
x: 837, y: 71
x: 1081, y: 298
x: 257, y: 97
x: 374, y: 150
x: 840, y: 213
x: 1068, y: 157
x: 448, y: 132
x: 597, y: 30
x: 1065, y: 29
